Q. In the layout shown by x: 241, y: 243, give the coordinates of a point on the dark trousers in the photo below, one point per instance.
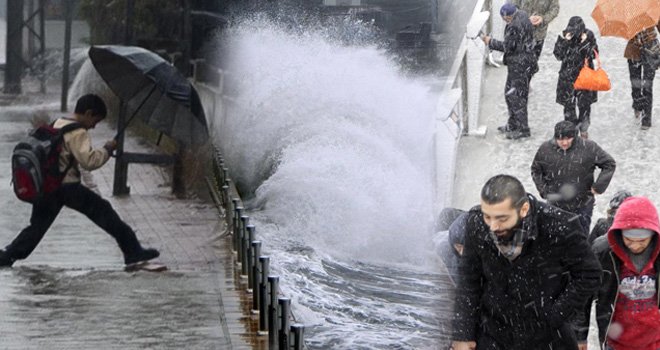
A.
x: 585, y: 213
x: 516, y: 92
x: 538, y: 48
x: 581, y: 118
x: 564, y: 339
x: 641, y: 79
x: 83, y: 200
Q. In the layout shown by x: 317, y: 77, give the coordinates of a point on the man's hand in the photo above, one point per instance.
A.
x: 536, y: 20
x: 595, y: 193
x: 582, y: 346
x: 110, y: 145
x: 464, y: 345
x: 486, y: 39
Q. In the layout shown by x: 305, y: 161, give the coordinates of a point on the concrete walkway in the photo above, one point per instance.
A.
x: 72, y: 292
x: 613, y: 126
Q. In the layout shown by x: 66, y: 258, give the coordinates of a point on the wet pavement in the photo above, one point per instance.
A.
x: 72, y: 292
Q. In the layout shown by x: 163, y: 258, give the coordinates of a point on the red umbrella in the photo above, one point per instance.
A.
x: 625, y: 18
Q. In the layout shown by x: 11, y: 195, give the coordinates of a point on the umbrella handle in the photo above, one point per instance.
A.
x: 120, y: 131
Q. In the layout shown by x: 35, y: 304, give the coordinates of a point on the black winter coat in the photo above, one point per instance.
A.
x: 600, y: 228
x: 572, y: 53
x: 524, y: 304
x: 518, y: 44
x: 553, y: 168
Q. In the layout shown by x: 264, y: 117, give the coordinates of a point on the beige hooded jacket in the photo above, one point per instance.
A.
x: 78, y: 148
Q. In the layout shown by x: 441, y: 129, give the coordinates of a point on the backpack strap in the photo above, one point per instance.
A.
x: 63, y: 130
x: 69, y: 127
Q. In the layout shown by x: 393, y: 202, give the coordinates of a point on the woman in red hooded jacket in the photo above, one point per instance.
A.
x: 627, y: 303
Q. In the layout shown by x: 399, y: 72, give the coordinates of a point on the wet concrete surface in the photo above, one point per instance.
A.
x: 72, y: 292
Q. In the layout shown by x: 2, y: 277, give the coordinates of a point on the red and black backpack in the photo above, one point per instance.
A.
x: 35, y: 162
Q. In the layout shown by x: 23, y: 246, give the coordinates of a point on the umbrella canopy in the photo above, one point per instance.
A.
x: 625, y: 18
x: 154, y: 89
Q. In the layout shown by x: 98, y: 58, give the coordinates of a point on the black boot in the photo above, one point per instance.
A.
x: 143, y: 254
x: 646, y: 119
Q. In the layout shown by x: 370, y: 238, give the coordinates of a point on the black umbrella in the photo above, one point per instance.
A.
x: 153, y: 89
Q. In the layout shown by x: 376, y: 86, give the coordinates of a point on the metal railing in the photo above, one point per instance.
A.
x: 274, y: 310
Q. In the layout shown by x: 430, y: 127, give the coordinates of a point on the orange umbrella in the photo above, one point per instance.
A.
x: 625, y: 18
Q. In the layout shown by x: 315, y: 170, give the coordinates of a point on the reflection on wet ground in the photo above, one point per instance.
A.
x: 45, y: 307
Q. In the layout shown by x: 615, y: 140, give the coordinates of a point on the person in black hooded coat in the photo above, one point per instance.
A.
x: 576, y: 44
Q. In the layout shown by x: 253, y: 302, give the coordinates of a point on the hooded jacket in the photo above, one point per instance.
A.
x: 572, y: 54
x: 529, y: 301
x: 635, y: 305
x: 78, y: 148
x: 553, y: 168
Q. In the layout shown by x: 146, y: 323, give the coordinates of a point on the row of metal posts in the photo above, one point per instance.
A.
x: 274, y: 311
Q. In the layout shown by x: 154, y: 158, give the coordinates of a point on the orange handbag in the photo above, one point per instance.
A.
x: 592, y: 79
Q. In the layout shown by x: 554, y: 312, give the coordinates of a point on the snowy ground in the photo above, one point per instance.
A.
x: 612, y: 124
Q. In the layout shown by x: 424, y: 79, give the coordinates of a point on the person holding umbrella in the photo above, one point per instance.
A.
x: 573, y: 47
x: 636, y: 23
x: 77, y: 150
x: 642, y: 75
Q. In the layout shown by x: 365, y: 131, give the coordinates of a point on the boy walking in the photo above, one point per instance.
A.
x: 77, y: 151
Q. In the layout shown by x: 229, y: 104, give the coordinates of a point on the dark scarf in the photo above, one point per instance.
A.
x: 511, y: 247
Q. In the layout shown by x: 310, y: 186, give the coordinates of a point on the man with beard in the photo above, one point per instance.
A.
x: 526, y: 270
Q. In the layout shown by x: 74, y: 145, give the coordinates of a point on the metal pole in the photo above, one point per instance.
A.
x: 231, y: 222
x: 68, y: 17
x: 264, y: 261
x: 119, y: 186
x: 30, y: 24
x: 14, y: 47
x: 128, y: 29
x: 245, y: 220
x: 298, y: 330
x: 42, y: 47
x: 225, y: 194
x: 284, y: 311
x: 251, y: 257
x: 186, y: 39
x: 237, y: 231
x: 256, y: 276
x: 273, y: 283
x: 178, y: 183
